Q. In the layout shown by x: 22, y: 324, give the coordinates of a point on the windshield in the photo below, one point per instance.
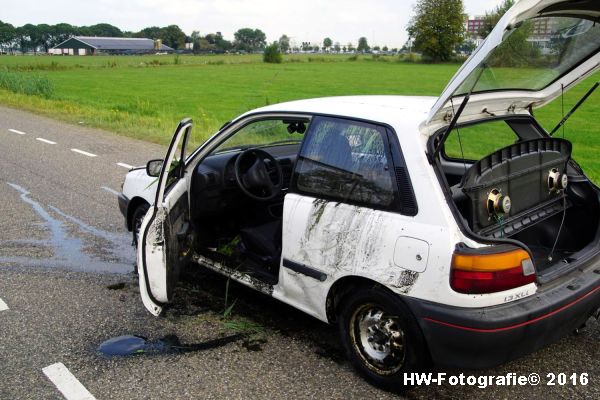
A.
x: 535, y: 54
x: 264, y: 133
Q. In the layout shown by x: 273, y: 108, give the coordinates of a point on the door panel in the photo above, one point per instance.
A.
x: 164, y: 245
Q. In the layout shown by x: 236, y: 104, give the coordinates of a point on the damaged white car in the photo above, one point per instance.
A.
x: 453, y: 230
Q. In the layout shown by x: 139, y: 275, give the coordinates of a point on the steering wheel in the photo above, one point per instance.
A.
x: 253, y: 176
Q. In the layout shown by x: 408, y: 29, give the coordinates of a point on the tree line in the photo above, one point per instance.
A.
x: 43, y: 37
x: 30, y: 37
x: 437, y: 31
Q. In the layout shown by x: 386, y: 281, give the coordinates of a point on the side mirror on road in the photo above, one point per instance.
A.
x: 153, y: 167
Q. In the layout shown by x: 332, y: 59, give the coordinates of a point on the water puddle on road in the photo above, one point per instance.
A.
x: 70, y: 251
x: 129, y: 345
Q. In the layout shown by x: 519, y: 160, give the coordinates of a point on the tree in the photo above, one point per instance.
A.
x: 272, y: 54
x: 61, y: 32
x: 491, y: 18
x: 327, y: 43
x: 384, y: 48
x: 29, y: 37
x: 151, y: 32
x: 195, y: 36
x: 173, y: 36
x: 437, y: 27
x: 7, y: 35
x: 203, y: 46
x: 337, y: 47
x: 306, y: 46
x: 215, y: 42
x: 284, y: 43
x: 351, y: 47
x: 249, y: 39
x: 103, y: 29
x: 376, y: 48
x: 363, y: 45
x: 45, y: 33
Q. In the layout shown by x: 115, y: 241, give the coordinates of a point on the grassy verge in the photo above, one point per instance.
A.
x: 145, y: 96
x: 147, y: 103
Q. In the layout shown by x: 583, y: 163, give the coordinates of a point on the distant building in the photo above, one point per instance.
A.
x: 92, y: 45
x: 543, y: 31
x: 474, y: 25
x: 473, y: 28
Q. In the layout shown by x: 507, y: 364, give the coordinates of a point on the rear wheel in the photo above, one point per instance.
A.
x: 136, y: 221
x: 381, y: 338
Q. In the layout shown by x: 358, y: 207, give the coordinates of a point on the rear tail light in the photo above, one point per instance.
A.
x: 490, y: 269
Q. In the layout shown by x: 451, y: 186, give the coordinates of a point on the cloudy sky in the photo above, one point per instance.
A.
x: 383, y: 22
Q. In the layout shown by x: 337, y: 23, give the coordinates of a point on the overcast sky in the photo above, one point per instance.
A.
x: 383, y: 22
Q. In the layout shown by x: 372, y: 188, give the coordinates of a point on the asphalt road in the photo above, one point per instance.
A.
x: 66, y: 286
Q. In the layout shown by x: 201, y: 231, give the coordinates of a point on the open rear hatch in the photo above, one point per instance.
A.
x: 530, y: 193
x: 538, y: 50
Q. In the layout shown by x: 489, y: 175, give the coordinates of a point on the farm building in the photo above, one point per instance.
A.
x: 91, y: 45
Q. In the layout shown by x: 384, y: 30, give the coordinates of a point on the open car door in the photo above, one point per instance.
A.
x: 164, y: 235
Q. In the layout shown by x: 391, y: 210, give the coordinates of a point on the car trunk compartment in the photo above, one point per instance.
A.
x: 559, y: 227
x: 520, y: 171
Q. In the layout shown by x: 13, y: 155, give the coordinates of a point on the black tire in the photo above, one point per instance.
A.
x: 136, y: 221
x: 364, y: 338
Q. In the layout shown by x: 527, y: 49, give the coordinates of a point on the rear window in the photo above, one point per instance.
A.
x: 478, y: 140
x: 535, y: 53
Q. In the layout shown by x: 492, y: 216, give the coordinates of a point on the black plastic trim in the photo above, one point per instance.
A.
x: 488, y: 336
x: 123, y: 205
x: 304, y: 270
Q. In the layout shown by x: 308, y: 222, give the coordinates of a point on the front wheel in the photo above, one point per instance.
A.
x: 136, y: 221
x: 381, y: 338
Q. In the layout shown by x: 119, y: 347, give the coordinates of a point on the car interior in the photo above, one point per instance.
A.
x: 236, y: 197
x: 524, y: 186
x: 237, y: 191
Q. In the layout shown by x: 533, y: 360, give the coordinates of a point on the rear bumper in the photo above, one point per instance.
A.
x: 486, y: 337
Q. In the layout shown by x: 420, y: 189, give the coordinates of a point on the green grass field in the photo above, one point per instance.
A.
x: 145, y: 96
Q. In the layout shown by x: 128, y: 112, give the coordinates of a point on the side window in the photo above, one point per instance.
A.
x: 347, y: 161
x: 478, y: 140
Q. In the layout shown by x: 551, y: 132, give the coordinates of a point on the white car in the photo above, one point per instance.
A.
x: 453, y: 230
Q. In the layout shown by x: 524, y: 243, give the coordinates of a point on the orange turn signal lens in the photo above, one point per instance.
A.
x: 489, y: 262
x: 490, y: 269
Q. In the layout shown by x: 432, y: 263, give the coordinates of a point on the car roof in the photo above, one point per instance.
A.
x: 383, y: 109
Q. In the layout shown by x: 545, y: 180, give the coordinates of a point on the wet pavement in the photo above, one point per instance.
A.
x: 68, y: 242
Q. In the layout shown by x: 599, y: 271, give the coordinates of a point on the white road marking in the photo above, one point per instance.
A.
x: 85, y: 153
x: 45, y: 140
x: 109, y: 190
x: 120, y: 164
x: 16, y: 131
x: 3, y: 306
x: 66, y: 382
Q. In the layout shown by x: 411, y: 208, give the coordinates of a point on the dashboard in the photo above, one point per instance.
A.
x: 214, y: 188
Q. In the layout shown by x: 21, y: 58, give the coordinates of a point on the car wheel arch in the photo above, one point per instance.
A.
x: 134, y: 203
x: 344, y: 287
